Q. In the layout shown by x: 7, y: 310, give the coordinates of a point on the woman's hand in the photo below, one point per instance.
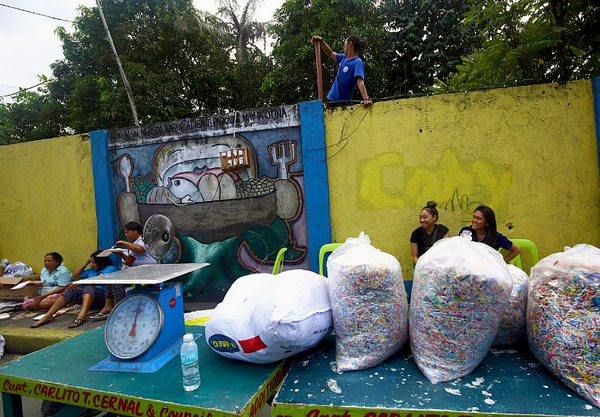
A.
x: 32, y: 277
x: 122, y: 243
x: 39, y: 298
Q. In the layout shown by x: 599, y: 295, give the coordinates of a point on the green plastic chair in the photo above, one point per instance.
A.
x: 525, y: 244
x: 328, y: 247
x: 278, y: 261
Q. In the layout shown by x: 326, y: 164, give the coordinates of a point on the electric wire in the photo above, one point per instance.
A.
x: 35, y: 13
x: 55, y: 78
x: 24, y: 89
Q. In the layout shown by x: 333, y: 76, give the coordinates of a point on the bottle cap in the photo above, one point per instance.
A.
x: 188, y: 337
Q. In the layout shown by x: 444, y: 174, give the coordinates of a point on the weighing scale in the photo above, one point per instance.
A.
x: 145, y: 330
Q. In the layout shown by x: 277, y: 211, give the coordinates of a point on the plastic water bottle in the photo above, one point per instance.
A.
x: 189, y: 363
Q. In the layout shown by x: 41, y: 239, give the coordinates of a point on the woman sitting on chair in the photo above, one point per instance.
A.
x: 483, y: 229
x: 89, y: 296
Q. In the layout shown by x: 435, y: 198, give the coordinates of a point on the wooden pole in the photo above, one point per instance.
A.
x: 319, y: 71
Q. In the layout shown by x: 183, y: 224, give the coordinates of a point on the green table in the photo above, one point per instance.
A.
x: 507, y: 383
x: 60, y: 373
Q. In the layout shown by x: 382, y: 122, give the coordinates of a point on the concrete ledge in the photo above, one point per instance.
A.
x: 21, y: 340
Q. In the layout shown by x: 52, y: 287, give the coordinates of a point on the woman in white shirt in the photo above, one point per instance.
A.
x: 135, y: 255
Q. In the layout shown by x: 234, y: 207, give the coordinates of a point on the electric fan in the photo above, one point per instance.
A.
x: 159, y: 235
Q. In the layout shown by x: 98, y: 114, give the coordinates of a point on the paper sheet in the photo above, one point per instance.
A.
x: 20, y: 285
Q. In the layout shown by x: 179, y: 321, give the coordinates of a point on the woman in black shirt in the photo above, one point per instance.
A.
x: 425, y: 236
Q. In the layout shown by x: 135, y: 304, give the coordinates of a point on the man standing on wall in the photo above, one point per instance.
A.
x: 351, y: 72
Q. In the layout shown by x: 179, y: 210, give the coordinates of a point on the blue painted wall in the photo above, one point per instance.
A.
x: 105, y: 209
x: 314, y: 154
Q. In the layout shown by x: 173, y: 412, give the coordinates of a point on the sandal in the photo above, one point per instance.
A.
x: 77, y: 322
x: 38, y: 324
x: 99, y: 316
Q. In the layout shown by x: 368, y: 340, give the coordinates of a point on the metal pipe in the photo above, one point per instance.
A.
x: 319, y: 71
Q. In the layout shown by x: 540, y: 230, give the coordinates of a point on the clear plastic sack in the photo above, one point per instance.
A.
x: 563, y: 318
x: 460, y: 291
x: 18, y: 269
x: 513, y: 328
x: 368, y: 303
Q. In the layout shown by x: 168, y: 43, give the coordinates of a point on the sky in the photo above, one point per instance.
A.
x: 29, y: 44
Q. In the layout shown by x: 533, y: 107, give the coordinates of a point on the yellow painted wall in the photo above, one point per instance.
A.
x: 47, y: 201
x: 528, y: 152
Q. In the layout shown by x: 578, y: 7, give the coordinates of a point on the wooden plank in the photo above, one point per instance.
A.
x: 60, y: 373
x: 507, y: 383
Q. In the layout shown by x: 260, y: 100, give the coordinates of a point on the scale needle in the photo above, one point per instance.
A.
x: 138, y: 310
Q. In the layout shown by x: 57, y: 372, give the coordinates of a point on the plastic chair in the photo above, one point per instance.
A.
x: 525, y: 244
x: 278, y: 261
x: 328, y: 247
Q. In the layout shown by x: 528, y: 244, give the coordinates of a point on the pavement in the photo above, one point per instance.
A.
x: 22, y: 339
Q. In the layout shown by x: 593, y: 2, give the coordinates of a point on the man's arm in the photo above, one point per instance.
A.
x: 328, y: 51
x: 366, y: 102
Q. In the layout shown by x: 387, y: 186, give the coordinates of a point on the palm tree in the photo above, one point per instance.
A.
x: 244, y: 31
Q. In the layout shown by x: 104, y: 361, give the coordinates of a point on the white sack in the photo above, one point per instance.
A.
x: 513, y: 328
x: 265, y: 318
x: 460, y: 291
x: 563, y: 318
x: 18, y: 269
x: 368, y: 302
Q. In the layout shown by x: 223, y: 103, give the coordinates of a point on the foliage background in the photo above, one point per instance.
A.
x: 182, y: 63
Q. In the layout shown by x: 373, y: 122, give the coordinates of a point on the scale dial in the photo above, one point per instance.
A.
x: 133, y: 326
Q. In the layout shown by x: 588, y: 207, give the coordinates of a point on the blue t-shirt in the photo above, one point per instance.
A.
x: 89, y: 273
x: 501, y: 240
x: 345, y: 81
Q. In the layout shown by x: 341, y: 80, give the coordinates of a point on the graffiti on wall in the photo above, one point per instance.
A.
x: 236, y: 219
x: 387, y: 182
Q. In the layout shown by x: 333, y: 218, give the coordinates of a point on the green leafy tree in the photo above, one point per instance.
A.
x: 244, y: 31
x: 7, y: 134
x: 174, y: 73
x: 31, y: 115
x: 293, y: 78
x: 424, y: 40
x: 530, y: 41
x: 410, y: 43
x: 246, y: 82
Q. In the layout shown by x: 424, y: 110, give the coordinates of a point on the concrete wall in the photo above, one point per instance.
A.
x: 528, y: 152
x: 47, y: 201
x: 236, y: 221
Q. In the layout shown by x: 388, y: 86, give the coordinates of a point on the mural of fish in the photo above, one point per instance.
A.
x: 207, y: 184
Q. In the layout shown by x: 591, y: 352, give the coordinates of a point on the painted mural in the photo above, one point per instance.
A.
x: 236, y: 218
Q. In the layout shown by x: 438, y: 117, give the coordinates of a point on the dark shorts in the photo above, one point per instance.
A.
x: 75, y: 295
x: 115, y: 291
